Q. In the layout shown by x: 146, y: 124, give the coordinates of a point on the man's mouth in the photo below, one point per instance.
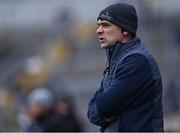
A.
x: 101, y: 39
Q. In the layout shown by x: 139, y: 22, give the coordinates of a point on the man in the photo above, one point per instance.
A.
x: 130, y: 96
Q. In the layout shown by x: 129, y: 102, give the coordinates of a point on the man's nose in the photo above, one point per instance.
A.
x: 99, y: 30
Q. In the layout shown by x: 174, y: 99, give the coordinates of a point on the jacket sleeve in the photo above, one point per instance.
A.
x: 92, y: 114
x: 131, y: 74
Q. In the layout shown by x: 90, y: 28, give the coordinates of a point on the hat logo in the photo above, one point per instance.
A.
x: 106, y: 15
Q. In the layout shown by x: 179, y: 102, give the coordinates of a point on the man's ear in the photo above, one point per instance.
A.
x: 125, y: 33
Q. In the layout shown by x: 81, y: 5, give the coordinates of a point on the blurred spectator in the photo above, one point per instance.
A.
x: 172, y: 96
x: 44, y: 114
x: 21, y: 93
x: 66, y: 117
x: 176, y: 30
x: 39, y: 115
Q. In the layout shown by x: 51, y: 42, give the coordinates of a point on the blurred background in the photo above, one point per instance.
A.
x: 50, y: 56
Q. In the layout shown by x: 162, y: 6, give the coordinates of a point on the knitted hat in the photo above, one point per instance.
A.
x: 121, y: 14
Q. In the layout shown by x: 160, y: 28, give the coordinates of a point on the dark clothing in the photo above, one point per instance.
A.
x: 67, y: 124
x: 55, y: 123
x: 43, y: 123
x: 131, y: 91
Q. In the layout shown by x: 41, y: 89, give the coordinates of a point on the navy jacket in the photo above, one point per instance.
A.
x: 130, y: 96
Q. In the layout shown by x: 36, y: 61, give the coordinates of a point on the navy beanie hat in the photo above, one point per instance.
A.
x: 121, y: 14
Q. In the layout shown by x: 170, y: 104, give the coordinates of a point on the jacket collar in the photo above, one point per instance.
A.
x: 119, y: 48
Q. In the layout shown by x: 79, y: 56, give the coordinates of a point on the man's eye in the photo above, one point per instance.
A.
x: 106, y: 25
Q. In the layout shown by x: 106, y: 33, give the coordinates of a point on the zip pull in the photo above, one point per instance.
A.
x: 106, y: 72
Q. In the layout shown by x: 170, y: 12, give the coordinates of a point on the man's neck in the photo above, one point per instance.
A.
x: 126, y: 39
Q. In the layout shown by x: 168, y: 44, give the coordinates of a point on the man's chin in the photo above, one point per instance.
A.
x: 103, y: 46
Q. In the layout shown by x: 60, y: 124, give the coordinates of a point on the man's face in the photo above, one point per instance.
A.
x: 108, y: 34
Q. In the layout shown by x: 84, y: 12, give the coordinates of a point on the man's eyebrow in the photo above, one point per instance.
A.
x: 99, y: 23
